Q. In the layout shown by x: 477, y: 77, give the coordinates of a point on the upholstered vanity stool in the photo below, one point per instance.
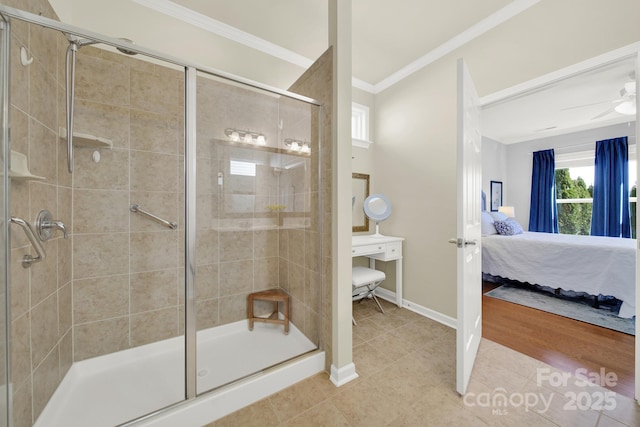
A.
x: 276, y: 296
x: 364, y: 282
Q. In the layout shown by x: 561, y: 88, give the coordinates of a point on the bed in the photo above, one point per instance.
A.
x: 590, y: 264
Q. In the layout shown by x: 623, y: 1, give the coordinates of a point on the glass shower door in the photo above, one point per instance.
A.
x: 256, y: 229
x: 5, y: 396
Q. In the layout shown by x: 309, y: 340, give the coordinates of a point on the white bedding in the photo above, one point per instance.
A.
x: 591, y: 264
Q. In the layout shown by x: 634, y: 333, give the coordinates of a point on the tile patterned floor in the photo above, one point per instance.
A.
x: 406, y: 364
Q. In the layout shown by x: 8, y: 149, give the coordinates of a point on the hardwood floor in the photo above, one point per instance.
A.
x: 561, y: 342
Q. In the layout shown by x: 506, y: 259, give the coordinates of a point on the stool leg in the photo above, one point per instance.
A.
x: 250, y: 312
x: 287, y: 313
x: 372, y: 294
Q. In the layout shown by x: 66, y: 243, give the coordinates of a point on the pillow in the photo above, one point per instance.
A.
x: 487, y: 224
x: 508, y: 227
x: 498, y: 216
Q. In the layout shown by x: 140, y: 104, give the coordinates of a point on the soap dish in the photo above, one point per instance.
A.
x: 19, y: 169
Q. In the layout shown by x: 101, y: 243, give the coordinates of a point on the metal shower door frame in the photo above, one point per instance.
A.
x: 190, y: 70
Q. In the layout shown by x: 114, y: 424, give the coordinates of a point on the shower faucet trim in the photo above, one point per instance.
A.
x: 45, y: 225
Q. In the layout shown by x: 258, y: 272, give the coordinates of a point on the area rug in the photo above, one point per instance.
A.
x: 577, y: 309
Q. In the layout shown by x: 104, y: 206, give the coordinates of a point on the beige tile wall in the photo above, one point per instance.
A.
x: 41, y: 312
x: 317, y: 83
x: 128, y: 279
x: 251, y: 258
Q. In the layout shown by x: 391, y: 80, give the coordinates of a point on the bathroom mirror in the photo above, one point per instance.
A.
x: 360, y: 191
x: 378, y: 208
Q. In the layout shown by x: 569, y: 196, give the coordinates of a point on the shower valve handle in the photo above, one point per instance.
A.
x: 45, y: 224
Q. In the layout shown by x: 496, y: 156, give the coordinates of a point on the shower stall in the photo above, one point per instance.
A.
x: 173, y: 192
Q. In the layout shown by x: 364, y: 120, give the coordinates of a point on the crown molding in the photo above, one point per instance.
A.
x: 490, y: 22
x: 627, y: 51
x: 219, y: 28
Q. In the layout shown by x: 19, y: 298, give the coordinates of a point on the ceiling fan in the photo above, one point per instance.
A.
x: 626, y: 104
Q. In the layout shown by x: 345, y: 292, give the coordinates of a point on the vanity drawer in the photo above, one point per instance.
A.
x: 367, y: 249
x: 394, y: 250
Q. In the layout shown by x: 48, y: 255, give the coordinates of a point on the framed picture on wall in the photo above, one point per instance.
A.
x: 496, y: 195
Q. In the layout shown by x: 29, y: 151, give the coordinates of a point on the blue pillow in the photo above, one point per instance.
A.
x: 508, y: 227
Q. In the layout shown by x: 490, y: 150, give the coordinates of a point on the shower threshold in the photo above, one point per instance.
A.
x: 115, y: 388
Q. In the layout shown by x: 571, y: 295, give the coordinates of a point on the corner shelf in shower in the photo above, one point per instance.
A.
x: 87, y: 140
x: 19, y: 170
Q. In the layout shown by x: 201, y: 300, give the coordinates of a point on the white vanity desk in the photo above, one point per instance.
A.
x: 385, y: 248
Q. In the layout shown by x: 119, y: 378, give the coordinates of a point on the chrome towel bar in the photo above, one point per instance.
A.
x: 27, y: 260
x: 136, y: 209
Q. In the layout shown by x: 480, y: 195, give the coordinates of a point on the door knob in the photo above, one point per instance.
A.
x: 461, y: 242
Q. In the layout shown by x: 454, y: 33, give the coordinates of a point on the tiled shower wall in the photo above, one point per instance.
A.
x: 41, y: 313
x: 258, y: 249
x: 317, y: 83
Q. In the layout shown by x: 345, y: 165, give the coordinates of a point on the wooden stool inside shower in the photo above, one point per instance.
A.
x: 276, y: 296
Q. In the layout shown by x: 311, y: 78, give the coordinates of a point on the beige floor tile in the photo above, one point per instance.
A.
x: 296, y: 399
x: 388, y: 321
x: 485, y: 402
x: 393, y: 346
x: 260, y: 414
x: 369, y: 360
x: 324, y: 414
x: 605, y: 421
x: 368, y: 404
x: 438, y: 408
x: 367, y: 330
x: 565, y: 411
x: 513, y: 361
x: 407, y: 378
x: 626, y: 410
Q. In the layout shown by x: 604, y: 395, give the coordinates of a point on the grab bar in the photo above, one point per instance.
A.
x: 136, y: 209
x: 27, y: 260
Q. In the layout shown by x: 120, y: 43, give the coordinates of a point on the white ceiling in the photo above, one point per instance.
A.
x: 570, y: 105
x: 391, y: 39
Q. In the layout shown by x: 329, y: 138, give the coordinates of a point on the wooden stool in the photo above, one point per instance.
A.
x: 276, y: 296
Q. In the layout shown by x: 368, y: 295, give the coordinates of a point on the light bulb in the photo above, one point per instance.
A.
x: 261, y: 140
x: 295, y: 146
x: 305, y: 148
x: 247, y: 138
x: 235, y: 136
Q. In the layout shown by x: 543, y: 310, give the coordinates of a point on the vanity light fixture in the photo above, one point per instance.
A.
x: 246, y: 136
x: 297, y: 145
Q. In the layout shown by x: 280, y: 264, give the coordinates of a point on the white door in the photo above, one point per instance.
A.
x: 468, y: 241
x: 637, y: 340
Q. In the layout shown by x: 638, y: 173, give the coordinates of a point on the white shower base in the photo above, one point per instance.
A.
x: 118, y: 387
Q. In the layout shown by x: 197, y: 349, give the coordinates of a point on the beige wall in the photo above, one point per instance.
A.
x: 414, y: 157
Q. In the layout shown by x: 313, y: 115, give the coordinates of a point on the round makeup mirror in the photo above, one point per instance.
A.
x: 377, y: 208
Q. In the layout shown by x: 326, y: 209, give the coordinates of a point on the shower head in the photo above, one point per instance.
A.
x: 127, y: 51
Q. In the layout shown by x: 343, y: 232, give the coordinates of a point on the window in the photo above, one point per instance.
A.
x: 574, y: 190
x: 242, y: 168
x: 360, y: 125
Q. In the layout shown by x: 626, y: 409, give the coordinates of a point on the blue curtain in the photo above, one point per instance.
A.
x: 610, y: 215
x: 543, y: 213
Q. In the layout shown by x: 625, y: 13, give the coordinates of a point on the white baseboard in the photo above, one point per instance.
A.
x: 417, y: 308
x: 341, y: 376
